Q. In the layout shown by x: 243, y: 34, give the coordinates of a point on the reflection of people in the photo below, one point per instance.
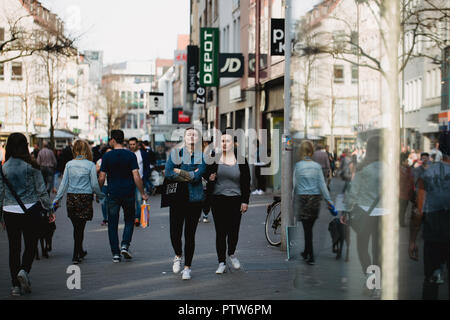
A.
x: 406, y: 187
x: 309, y: 186
x: 364, y: 196
x: 433, y: 211
x: 321, y: 157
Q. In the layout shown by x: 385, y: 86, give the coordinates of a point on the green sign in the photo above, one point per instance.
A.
x: 209, y: 57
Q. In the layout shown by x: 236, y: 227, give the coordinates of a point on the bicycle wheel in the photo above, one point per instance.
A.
x: 273, y: 225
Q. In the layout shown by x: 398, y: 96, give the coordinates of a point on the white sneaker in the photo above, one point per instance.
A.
x: 235, y: 262
x: 176, y: 264
x: 255, y: 192
x: 260, y: 192
x: 222, y: 268
x: 186, y: 274
x: 25, y: 283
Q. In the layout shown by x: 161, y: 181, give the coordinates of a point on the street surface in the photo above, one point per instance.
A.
x: 265, y: 274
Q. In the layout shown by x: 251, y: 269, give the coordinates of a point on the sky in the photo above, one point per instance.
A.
x: 125, y: 30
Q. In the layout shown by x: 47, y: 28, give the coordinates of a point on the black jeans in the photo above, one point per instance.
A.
x: 48, y: 174
x: 78, y: 236
x: 403, y: 205
x: 227, y: 220
x: 370, y: 230
x: 434, y: 254
x: 16, y: 226
x: 188, y: 215
x: 308, y: 225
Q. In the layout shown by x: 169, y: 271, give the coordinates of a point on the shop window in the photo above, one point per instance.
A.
x: 338, y: 74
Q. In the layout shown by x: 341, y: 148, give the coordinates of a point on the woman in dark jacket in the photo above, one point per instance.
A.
x: 25, y: 177
x: 229, y: 185
x: 186, y: 213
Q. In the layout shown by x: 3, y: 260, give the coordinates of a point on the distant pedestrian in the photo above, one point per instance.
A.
x: 436, y: 153
x: 434, y: 214
x: 25, y: 178
x: 207, y: 203
x: 47, y: 161
x: 2, y: 154
x: 406, y: 193
x: 121, y: 168
x: 260, y: 179
x: 104, y: 201
x: 230, y: 198
x: 143, y: 161
x: 309, y: 187
x: 321, y: 157
x: 66, y: 156
x: 80, y: 182
x: 186, y: 213
x: 35, y: 151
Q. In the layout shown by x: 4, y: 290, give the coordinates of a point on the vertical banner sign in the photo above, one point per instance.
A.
x: 209, y: 57
x: 277, y: 37
x: 192, y: 68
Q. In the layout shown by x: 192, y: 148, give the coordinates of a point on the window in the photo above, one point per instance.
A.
x: 14, y: 110
x: 2, y: 71
x: 16, y: 71
x: 2, y: 34
x: 355, y: 74
x: 338, y: 74
x: 354, y: 38
x: 339, y: 40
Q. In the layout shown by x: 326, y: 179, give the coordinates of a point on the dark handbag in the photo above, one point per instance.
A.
x: 42, y: 212
x: 357, y: 216
x: 174, y: 192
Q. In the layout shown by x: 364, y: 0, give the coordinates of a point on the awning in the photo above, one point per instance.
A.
x: 59, y: 134
x: 301, y: 135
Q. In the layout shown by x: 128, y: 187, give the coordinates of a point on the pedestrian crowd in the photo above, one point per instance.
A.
x: 118, y: 175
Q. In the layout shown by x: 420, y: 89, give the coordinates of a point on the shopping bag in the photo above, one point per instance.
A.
x: 145, y: 214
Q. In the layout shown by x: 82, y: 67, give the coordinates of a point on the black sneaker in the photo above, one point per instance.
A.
x: 310, y: 261
x: 83, y: 254
x: 117, y: 258
x: 125, y: 253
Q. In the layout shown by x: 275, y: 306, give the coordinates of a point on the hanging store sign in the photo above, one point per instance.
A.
x: 231, y: 65
x: 277, y: 37
x: 209, y: 57
x: 156, y: 103
x: 192, y: 68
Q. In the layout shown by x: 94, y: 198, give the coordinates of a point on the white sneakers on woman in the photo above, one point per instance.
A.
x: 222, y: 268
x: 235, y: 262
x: 186, y: 274
x: 176, y: 264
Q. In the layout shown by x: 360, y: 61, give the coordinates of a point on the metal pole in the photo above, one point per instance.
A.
x: 287, y: 216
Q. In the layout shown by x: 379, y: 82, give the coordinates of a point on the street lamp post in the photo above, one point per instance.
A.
x: 287, y: 217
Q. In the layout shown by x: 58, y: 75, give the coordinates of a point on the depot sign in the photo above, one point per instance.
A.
x: 209, y: 57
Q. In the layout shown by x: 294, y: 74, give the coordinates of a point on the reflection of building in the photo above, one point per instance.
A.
x: 325, y: 89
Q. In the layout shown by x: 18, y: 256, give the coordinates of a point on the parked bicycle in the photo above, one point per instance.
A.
x: 273, y: 222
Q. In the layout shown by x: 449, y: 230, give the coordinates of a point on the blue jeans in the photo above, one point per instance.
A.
x: 138, y: 203
x: 114, y: 204
x: 148, y: 184
x: 104, y: 203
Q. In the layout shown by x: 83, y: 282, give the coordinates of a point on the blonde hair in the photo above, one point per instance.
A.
x: 81, y: 148
x: 306, y: 149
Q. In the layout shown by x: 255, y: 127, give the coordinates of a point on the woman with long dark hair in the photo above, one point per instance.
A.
x: 80, y: 182
x: 22, y: 174
x: 230, y: 189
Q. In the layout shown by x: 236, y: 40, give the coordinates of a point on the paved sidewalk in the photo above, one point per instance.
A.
x: 265, y: 275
